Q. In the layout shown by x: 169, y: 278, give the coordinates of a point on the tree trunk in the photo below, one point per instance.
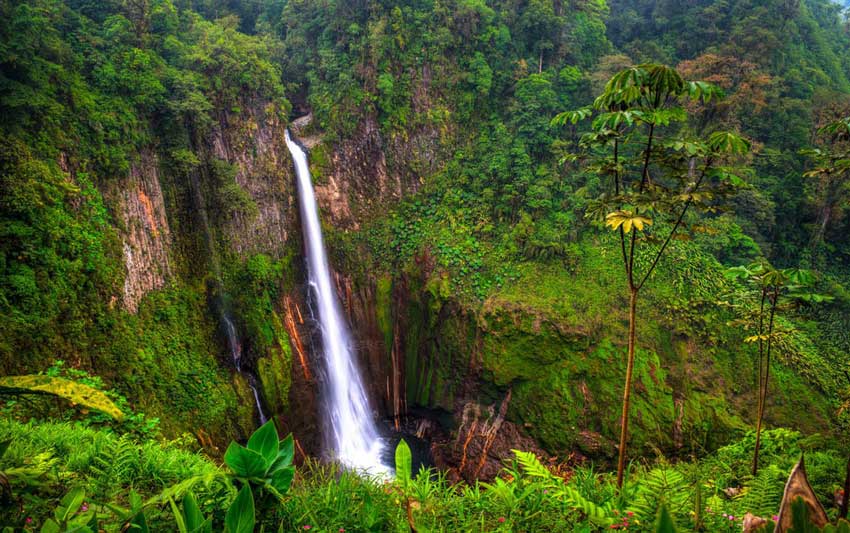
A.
x: 842, y: 513
x: 763, y: 394
x: 824, y: 216
x: 627, y: 389
x: 758, y: 445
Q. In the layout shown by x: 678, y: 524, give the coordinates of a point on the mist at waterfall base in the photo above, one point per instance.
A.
x: 354, y: 438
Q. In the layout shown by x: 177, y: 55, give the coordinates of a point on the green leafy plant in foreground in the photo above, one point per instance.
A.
x: 71, y: 515
x: 531, y: 466
x: 190, y: 519
x: 241, y: 516
x: 266, y: 461
x: 403, y: 473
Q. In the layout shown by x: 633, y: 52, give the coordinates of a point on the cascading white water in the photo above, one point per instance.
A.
x: 355, y: 438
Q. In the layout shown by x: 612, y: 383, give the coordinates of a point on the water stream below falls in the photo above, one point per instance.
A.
x: 354, y: 441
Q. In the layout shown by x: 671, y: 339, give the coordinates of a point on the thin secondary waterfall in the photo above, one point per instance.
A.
x: 230, y: 332
x: 236, y: 354
x: 355, y: 441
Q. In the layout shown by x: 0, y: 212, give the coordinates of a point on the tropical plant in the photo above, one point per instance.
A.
x: 266, y: 461
x: 189, y: 518
x: 132, y: 518
x: 531, y: 466
x: 241, y: 515
x: 72, y: 515
x: 76, y: 393
x: 771, y: 288
x: 403, y: 474
x: 656, y: 179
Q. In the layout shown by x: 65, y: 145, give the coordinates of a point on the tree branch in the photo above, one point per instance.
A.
x: 675, y: 227
x: 617, y: 192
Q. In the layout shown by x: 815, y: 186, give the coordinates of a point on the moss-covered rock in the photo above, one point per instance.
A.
x: 274, y: 370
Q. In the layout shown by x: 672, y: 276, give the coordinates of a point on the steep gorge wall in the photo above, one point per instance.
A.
x: 254, y: 142
x: 144, y: 229
x: 168, y: 270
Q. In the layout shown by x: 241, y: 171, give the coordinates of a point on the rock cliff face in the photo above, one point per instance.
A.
x: 180, y: 248
x: 254, y: 142
x: 145, y: 234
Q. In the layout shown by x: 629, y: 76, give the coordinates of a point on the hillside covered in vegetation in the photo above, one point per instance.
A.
x: 594, y: 256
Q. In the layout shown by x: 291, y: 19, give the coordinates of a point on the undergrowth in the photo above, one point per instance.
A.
x: 45, y: 461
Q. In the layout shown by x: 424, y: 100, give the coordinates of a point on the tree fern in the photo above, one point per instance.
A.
x: 661, y: 486
x: 531, y: 466
x: 116, y: 463
x: 763, y: 493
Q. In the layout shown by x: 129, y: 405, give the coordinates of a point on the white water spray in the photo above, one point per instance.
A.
x: 356, y: 443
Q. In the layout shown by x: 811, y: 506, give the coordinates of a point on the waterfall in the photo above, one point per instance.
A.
x: 233, y: 342
x: 355, y: 441
x: 236, y: 354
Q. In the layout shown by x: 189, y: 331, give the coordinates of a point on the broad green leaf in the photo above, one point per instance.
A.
x: 403, y: 462
x: 240, y: 516
x: 664, y: 523
x: 50, y: 527
x: 265, y: 441
x: 194, y: 519
x: 139, y: 523
x: 244, y: 462
x: 178, y: 517
x: 286, y: 451
x: 282, y: 479
x: 72, y: 391
x: 70, y: 504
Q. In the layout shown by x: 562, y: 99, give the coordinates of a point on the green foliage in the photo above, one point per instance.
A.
x: 191, y: 494
x: 68, y: 519
x: 661, y: 488
x: 266, y: 462
x: 595, y: 513
x: 76, y: 393
x: 763, y: 493
x: 664, y: 523
x: 190, y: 519
x: 403, y: 462
x: 240, y: 516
